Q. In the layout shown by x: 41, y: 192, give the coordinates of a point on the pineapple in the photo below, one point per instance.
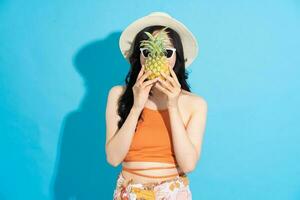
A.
x: 156, y: 60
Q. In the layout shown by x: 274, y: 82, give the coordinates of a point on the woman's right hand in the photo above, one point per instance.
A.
x: 141, y: 89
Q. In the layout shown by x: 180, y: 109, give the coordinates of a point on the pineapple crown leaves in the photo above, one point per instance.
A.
x: 156, y: 44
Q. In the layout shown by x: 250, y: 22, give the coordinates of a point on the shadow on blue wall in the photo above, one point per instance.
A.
x: 82, y: 171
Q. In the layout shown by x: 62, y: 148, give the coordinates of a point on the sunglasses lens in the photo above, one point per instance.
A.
x: 169, y: 53
x: 145, y: 53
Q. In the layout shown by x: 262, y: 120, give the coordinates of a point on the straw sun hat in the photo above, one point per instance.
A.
x: 189, y: 42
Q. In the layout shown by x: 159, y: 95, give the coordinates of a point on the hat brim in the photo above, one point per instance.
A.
x: 189, y: 42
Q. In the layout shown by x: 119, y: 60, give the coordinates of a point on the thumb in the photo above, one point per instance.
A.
x: 148, y: 87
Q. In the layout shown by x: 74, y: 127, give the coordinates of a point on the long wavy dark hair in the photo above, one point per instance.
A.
x: 126, y: 101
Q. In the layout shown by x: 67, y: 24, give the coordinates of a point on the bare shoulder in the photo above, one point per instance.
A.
x: 194, y: 101
x: 113, y: 98
x: 116, y: 91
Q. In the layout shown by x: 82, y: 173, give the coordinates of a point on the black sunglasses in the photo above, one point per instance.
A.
x: 169, y: 52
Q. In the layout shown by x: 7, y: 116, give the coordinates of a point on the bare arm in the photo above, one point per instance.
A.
x: 188, y: 141
x: 118, y: 140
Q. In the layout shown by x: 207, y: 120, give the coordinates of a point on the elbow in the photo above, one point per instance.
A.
x: 189, y: 167
x: 190, y: 164
x: 112, y: 161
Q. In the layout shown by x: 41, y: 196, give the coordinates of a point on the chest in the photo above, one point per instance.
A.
x: 153, y: 131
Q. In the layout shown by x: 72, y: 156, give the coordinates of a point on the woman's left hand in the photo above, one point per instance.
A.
x: 171, y: 87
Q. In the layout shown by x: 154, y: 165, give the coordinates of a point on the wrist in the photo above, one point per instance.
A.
x: 136, y: 109
x: 173, y: 107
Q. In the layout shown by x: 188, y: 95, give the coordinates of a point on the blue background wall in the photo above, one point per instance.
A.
x: 58, y: 59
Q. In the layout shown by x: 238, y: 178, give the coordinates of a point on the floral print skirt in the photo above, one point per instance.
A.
x: 174, y: 188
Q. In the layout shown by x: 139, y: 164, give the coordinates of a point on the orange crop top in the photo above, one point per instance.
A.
x: 152, y: 141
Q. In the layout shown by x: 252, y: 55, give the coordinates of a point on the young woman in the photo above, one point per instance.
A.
x: 155, y: 127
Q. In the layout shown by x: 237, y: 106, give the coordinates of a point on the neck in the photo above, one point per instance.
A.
x: 157, y: 95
